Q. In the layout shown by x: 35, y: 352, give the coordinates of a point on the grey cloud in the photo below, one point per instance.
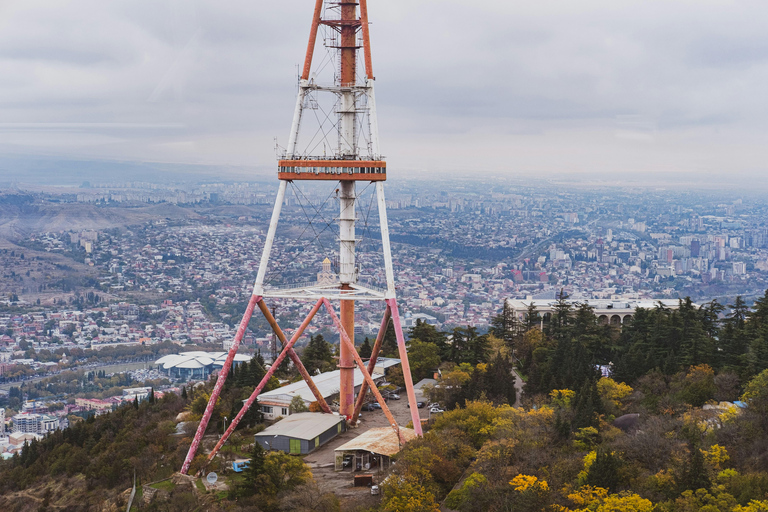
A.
x: 492, y: 72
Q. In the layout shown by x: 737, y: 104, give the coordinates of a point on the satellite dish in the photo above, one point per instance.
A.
x: 212, y: 477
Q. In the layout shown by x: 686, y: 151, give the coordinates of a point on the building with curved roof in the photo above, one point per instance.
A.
x: 196, y: 365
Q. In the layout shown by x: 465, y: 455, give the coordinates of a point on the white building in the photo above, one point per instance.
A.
x: 31, y: 423
x: 615, y: 312
x: 275, y: 403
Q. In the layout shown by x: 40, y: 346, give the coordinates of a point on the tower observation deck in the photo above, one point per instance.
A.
x: 343, y: 147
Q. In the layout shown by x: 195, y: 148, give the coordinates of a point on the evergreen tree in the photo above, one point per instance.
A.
x: 317, y: 355
x: 365, y: 349
x: 694, y: 475
x: 252, y: 474
x: 389, y: 343
x: 604, y: 471
x: 532, y: 317
x: 588, y: 405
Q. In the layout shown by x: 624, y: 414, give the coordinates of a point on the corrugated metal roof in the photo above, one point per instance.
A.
x: 302, y: 425
x: 327, y: 383
x: 387, y: 362
x: 382, y: 441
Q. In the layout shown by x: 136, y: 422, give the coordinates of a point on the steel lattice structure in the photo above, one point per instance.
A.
x: 355, y: 157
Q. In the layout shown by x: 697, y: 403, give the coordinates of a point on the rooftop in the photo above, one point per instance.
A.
x: 327, y: 383
x: 302, y: 425
x: 382, y: 441
x: 197, y: 359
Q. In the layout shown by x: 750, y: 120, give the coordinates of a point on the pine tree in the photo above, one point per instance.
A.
x: 250, y: 481
x: 317, y: 355
x: 365, y: 349
x: 389, y: 343
x: 604, y: 471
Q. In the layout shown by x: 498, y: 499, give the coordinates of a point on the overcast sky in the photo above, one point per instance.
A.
x: 552, y: 86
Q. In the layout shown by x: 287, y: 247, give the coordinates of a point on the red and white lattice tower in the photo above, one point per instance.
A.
x: 354, y: 156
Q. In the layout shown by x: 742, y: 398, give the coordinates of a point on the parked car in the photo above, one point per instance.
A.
x: 435, y: 409
x: 375, y: 405
x: 347, y: 461
x: 375, y: 490
x: 420, y: 405
x: 370, y: 407
x: 394, y: 396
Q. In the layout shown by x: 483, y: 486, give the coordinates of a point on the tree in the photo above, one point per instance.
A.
x: 423, y: 358
x: 407, y: 494
x: 425, y: 332
x: 365, y: 349
x: 252, y: 473
x: 699, y: 385
x: 283, y: 473
x: 317, y: 355
x: 756, y: 397
x: 505, y: 326
x: 389, y: 343
x: 604, y: 471
x: 297, y: 405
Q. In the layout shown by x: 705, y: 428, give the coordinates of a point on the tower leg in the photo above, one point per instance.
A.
x: 347, y: 276
x: 219, y: 384
x: 346, y: 360
x: 248, y: 403
x: 359, y: 362
x: 406, y: 366
x: 372, y: 363
x: 294, y: 357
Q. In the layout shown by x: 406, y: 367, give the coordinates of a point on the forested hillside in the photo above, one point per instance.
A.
x: 677, y: 445
x: 661, y: 433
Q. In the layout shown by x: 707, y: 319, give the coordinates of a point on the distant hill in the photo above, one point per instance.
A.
x: 20, y: 220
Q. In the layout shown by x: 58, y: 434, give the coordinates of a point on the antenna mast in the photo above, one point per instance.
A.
x: 354, y: 156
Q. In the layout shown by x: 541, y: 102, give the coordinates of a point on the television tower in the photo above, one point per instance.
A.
x: 354, y: 156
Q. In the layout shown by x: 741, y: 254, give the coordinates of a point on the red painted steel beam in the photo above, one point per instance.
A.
x: 348, y: 43
x: 406, y: 366
x: 372, y: 363
x: 366, y: 39
x: 345, y: 339
x: 219, y: 384
x: 265, y: 379
x: 294, y: 357
x: 312, y: 39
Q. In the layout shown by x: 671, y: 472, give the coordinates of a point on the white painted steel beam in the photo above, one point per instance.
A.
x: 386, y: 249
x: 258, y: 288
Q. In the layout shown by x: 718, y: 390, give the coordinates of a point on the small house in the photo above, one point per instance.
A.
x: 301, y: 433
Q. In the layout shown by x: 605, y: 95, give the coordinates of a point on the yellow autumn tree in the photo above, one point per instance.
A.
x: 716, y: 456
x: 597, y: 499
x: 562, y: 397
x: 753, y: 506
x: 612, y: 393
x: 532, y: 493
x: 407, y: 495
